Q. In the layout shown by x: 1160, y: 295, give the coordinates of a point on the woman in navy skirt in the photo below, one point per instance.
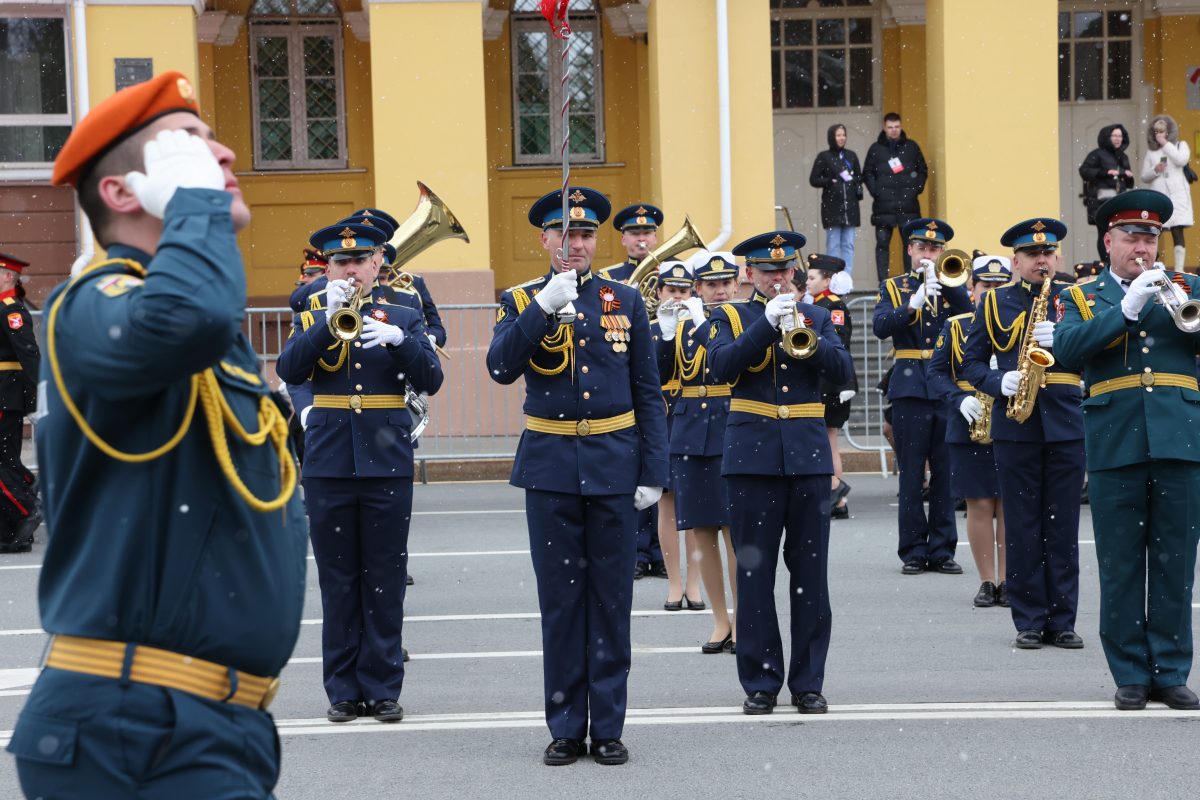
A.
x: 972, y: 468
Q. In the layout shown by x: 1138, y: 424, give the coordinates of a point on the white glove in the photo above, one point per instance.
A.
x: 1010, y: 382
x: 432, y: 340
x: 668, y: 320
x: 778, y: 307
x: 695, y: 307
x: 917, y: 301
x: 1043, y: 332
x: 1140, y: 291
x: 971, y: 409
x: 304, y: 417
x: 375, y: 333
x: 561, y: 289
x: 646, y: 496
x: 845, y: 394
x: 336, y: 293
x: 174, y: 159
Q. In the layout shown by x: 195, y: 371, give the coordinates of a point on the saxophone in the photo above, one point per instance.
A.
x: 1033, y: 361
x: 981, y: 429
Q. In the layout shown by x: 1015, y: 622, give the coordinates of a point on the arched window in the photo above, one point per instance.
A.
x: 823, y: 53
x: 537, y: 85
x: 297, y: 91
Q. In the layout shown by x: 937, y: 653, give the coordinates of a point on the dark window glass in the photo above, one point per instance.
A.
x: 776, y: 88
x: 775, y: 25
x: 831, y: 31
x: 831, y: 78
x: 33, y: 72
x: 1119, y: 70
x: 861, y: 77
x: 797, y: 70
x: 1088, y: 25
x: 858, y: 2
x: 1120, y: 23
x: 860, y: 30
x: 31, y: 143
x: 1064, y: 25
x: 797, y: 32
x: 1064, y: 72
x: 1089, y: 71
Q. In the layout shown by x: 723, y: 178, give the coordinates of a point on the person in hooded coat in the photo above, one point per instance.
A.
x: 1162, y: 169
x: 837, y: 174
x: 1106, y: 173
x: 895, y: 173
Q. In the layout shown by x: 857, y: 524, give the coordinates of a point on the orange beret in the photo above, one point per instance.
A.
x: 117, y: 118
x: 12, y: 262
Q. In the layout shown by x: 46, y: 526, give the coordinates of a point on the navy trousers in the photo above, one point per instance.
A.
x: 133, y: 740
x: 17, y: 495
x: 764, y: 510
x: 648, y: 550
x: 359, y: 532
x: 1040, y: 483
x: 583, y: 554
x: 919, y: 430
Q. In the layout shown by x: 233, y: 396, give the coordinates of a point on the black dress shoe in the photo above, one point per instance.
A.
x: 408, y: 580
x: 658, y: 569
x: 1180, y: 698
x: 713, y: 648
x: 693, y: 605
x: 404, y: 653
x: 1002, y: 594
x: 839, y: 494
x: 609, y: 751
x: 810, y: 703
x: 1028, y: 640
x: 924, y: 494
x: 947, y: 566
x: 387, y: 711
x: 960, y: 504
x: 16, y: 547
x: 840, y: 512
x: 1067, y: 640
x: 344, y: 711
x: 640, y: 569
x: 914, y: 566
x: 561, y: 752
x: 986, y: 596
x: 673, y: 605
x: 1131, y: 697
x: 758, y: 703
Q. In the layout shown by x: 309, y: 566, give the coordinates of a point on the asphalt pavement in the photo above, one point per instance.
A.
x: 928, y: 698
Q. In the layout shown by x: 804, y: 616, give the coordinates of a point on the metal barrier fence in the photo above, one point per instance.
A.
x: 872, y: 359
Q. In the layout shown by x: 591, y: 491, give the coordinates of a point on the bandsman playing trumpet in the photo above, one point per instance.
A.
x: 697, y: 433
x: 1037, y: 433
x: 358, y: 466
x: 912, y: 309
x: 777, y: 465
x: 1142, y: 420
x: 968, y: 433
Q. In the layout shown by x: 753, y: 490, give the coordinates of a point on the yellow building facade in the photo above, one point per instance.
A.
x: 332, y: 106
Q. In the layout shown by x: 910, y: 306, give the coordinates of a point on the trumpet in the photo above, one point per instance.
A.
x: 1185, y: 314
x: 798, y: 340
x: 346, y: 323
x: 951, y: 269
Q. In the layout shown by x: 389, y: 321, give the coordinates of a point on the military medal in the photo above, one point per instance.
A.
x: 379, y: 314
x: 608, y: 300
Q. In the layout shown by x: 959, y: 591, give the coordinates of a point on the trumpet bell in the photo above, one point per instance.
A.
x: 800, y: 343
x: 1187, y: 316
x: 953, y: 267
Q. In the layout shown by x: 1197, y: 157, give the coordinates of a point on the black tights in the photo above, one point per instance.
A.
x: 1177, y: 236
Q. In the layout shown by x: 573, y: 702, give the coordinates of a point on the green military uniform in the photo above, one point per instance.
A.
x: 1142, y: 423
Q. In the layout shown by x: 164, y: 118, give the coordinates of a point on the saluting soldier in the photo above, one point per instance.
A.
x: 697, y: 431
x: 912, y: 309
x: 358, y: 468
x: 638, y: 225
x: 1039, y: 460
x: 836, y: 397
x: 973, y: 474
x: 173, y: 580
x: 19, y: 354
x: 777, y: 466
x: 594, y: 451
x: 1142, y: 418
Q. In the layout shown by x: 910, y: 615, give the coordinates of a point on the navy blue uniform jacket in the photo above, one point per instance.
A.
x: 945, y: 371
x: 910, y: 331
x: 697, y: 423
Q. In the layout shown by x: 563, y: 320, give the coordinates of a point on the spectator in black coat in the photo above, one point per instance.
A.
x: 837, y: 174
x: 1106, y: 173
x: 895, y: 174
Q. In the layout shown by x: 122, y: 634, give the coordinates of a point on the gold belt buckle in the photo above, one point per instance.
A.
x: 583, y: 427
x: 356, y: 402
x: 269, y: 695
x: 784, y: 412
x: 702, y: 391
x: 1147, y: 379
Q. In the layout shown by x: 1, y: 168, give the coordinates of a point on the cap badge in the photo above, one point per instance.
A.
x: 932, y: 225
x: 576, y: 196
x: 778, y: 240
x: 185, y: 90
x: 1145, y: 215
x: 641, y: 210
x: 642, y: 221
x: 679, y: 272
x: 367, y: 213
x: 1039, y: 237
x: 777, y: 252
x: 1039, y: 226
x: 929, y: 234
x: 346, y: 232
x: 577, y: 213
x: 349, y: 241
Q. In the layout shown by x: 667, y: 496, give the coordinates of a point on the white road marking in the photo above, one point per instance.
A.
x: 24, y: 676
x: 464, y: 511
x: 516, y: 615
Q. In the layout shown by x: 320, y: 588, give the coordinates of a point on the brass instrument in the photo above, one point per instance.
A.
x: 952, y: 269
x: 1186, y: 314
x: 346, y: 323
x: 1033, y: 360
x: 981, y: 429
x: 798, y: 340
x: 418, y: 410
x: 645, y: 275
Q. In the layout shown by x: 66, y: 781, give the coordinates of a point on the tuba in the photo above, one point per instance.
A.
x: 1033, y: 361
x: 430, y: 222
x: 645, y: 275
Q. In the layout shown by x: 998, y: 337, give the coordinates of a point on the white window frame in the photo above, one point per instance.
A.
x: 1102, y: 7
x: 583, y: 20
x: 40, y: 170
x: 872, y: 11
x: 295, y: 31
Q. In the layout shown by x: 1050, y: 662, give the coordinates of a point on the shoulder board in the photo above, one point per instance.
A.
x: 400, y: 290
x: 306, y: 320
x: 8, y: 301
x: 1062, y: 283
x: 527, y: 284
x: 963, y: 316
x: 833, y: 298
x: 1088, y: 279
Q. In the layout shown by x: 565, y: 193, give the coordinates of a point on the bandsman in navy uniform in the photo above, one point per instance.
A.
x: 1039, y: 461
x: 777, y: 466
x: 697, y: 431
x: 594, y: 451
x: 1142, y: 419
x: 19, y: 355
x: 912, y: 309
x: 638, y: 225
x: 173, y: 580
x: 311, y: 269
x: 973, y: 474
x: 817, y: 280
x: 358, y: 468
x: 1088, y: 271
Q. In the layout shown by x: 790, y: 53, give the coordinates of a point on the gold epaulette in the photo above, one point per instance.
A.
x: 833, y: 298
x: 1087, y: 280
x: 8, y: 301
